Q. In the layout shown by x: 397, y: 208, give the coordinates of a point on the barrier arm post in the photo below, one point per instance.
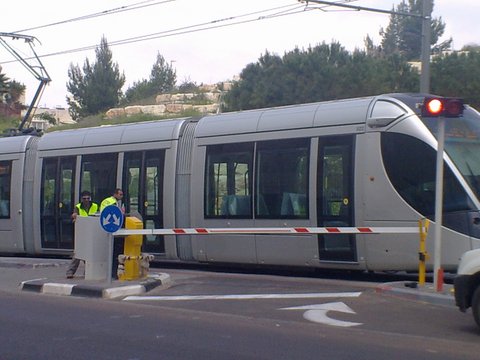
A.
x: 423, y: 254
x: 110, y: 258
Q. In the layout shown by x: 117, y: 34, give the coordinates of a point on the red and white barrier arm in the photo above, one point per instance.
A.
x: 274, y: 231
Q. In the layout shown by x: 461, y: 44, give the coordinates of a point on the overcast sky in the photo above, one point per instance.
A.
x: 207, y: 56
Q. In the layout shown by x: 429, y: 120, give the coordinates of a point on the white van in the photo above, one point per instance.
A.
x: 467, y: 283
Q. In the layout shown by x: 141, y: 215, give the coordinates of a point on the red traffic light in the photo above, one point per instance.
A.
x: 440, y: 106
x: 434, y: 106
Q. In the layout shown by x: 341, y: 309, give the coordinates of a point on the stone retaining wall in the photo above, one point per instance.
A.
x: 172, y: 104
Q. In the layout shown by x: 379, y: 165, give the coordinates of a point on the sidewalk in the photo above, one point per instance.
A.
x: 412, y: 291
x: 47, y: 276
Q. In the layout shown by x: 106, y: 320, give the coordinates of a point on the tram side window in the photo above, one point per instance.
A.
x: 282, y: 179
x: 228, y: 186
x: 132, y: 167
x: 410, y: 165
x: 48, y: 187
x: 5, y: 183
x: 98, y: 175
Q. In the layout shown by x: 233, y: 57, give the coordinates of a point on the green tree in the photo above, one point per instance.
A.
x: 15, y: 91
x: 187, y: 86
x: 457, y: 74
x: 10, y: 94
x: 3, y: 85
x: 471, y: 47
x: 98, y: 87
x: 162, y: 79
x: 323, y: 72
x: 138, y: 91
x: 404, y: 33
x: 48, y: 117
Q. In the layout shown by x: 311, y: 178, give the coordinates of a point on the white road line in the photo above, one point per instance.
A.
x: 243, y: 296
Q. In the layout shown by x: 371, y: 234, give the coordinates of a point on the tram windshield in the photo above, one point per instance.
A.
x: 462, y: 144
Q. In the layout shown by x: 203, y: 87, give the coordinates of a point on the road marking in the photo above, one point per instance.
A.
x: 243, y: 296
x: 318, y: 313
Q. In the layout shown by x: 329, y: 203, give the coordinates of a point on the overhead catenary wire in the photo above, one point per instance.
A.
x: 209, y: 25
x: 181, y: 30
x: 135, y: 6
x: 214, y: 24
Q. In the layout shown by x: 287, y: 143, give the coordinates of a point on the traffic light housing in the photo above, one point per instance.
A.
x: 442, y: 106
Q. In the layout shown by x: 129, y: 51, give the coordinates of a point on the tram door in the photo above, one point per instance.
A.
x: 57, y: 196
x: 335, y: 197
x: 10, y: 200
x: 143, y: 188
x: 99, y: 175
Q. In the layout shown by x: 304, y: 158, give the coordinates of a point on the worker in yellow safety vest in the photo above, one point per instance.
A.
x: 84, y: 208
x: 115, y: 199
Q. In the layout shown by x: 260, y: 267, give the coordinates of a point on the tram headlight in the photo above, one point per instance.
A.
x: 442, y: 106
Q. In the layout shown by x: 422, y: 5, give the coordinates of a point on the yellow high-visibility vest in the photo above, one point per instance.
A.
x: 107, y: 202
x: 82, y: 212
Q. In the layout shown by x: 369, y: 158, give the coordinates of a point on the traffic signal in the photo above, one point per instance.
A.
x: 441, y: 106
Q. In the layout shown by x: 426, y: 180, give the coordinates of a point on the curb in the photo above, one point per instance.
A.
x: 425, y: 294
x: 92, y: 291
x: 31, y: 265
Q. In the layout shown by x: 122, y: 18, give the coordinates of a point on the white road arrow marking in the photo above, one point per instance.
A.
x: 242, y: 296
x: 106, y: 220
x: 318, y: 313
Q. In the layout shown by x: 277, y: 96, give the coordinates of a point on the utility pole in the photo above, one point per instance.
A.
x: 426, y: 39
x: 426, y: 32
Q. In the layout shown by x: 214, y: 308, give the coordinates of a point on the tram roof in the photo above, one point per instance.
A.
x: 331, y: 113
x: 149, y: 131
x: 302, y: 116
x: 14, y: 144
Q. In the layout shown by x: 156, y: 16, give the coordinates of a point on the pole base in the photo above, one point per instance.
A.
x: 439, y: 280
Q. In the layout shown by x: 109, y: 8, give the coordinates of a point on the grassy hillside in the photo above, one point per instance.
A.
x: 8, y: 123
x: 98, y: 120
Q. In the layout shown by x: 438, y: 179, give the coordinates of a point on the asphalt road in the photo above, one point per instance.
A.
x: 222, y: 316
x: 226, y: 293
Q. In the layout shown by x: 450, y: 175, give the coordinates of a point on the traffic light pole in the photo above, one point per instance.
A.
x: 437, y: 270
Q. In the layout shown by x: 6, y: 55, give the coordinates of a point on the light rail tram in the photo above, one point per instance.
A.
x: 364, y: 162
